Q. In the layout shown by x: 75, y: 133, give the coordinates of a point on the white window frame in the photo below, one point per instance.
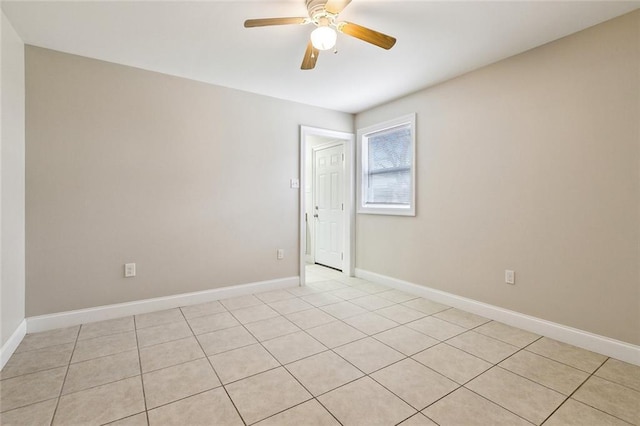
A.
x: 363, y: 135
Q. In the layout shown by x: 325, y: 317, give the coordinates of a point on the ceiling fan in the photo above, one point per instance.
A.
x: 324, y: 15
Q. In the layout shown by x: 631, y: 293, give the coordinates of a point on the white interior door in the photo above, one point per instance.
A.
x: 329, y: 205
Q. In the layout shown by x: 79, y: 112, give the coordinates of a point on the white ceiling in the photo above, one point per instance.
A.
x: 206, y: 41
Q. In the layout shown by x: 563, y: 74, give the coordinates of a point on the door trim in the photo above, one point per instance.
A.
x: 348, y: 140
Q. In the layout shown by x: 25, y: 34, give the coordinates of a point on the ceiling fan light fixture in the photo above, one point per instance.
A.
x: 324, y: 38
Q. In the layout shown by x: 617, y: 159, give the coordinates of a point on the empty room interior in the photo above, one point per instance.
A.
x: 320, y: 212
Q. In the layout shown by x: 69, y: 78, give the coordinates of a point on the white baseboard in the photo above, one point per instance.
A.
x: 12, y: 343
x: 583, y: 339
x: 100, y: 313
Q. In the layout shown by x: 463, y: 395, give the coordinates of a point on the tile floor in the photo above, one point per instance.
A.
x: 338, y: 351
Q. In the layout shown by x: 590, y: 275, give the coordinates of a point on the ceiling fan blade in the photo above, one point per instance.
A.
x: 366, y: 34
x: 310, y: 57
x: 336, y: 6
x: 250, y: 23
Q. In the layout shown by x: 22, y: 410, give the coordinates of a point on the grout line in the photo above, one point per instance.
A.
x: 144, y: 395
x: 75, y: 343
x: 214, y: 372
x: 576, y: 390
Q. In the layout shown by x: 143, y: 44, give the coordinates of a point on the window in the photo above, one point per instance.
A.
x: 387, y: 167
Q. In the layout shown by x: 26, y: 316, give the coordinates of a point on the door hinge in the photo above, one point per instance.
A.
x: 342, y: 206
x: 342, y: 157
x: 341, y: 256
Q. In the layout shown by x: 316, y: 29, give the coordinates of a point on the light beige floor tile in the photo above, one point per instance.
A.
x: 104, y: 328
x: 400, y: 314
x: 163, y: 333
x: 290, y: 306
x: 352, y: 404
x: 436, y: 328
x: 310, y: 413
x: 567, y: 354
x: 255, y: 397
x: 335, y: 334
x: 620, y: 372
x: 313, y: 278
x: 241, y: 302
x: 293, y: 347
x: 225, y: 340
x: 170, y: 353
x: 327, y: 285
x: 39, y: 414
x: 322, y: 372
x: 396, y: 296
x: 303, y: 290
x: 372, y: 302
x: 310, y: 318
x: 371, y: 288
x: 208, y: 408
x: 37, y: 360
x: 418, y: 420
x: 351, y: 281
x: 157, y: 318
x: 271, y: 328
x: 574, y: 413
x: 612, y: 398
x: 103, y: 346
x: 274, y: 296
x: 177, y: 382
x: 511, y: 335
x: 414, y: 383
x: 482, y: 346
x: 48, y: 338
x: 101, y: 404
x: 425, y: 306
x: 321, y: 299
x: 369, y: 354
x: 348, y: 293
x: 202, y: 309
x: 31, y: 388
x: 343, y: 310
x: 209, y: 323
x: 521, y: 396
x: 100, y: 371
x: 557, y: 376
x: 370, y: 323
x: 405, y: 340
x: 453, y: 363
x: 462, y: 318
x: 254, y: 313
x: 243, y: 362
x: 465, y: 408
x: 139, y: 419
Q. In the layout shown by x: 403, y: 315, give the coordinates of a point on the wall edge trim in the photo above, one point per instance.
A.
x: 100, y: 313
x: 601, y: 344
x: 12, y: 343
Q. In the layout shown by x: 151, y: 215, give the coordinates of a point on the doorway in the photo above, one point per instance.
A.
x: 328, y: 205
x: 327, y: 200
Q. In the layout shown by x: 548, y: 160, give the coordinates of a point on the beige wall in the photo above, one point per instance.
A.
x: 188, y: 180
x: 12, y: 281
x: 529, y: 164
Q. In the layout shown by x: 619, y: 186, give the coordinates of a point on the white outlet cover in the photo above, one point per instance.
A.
x: 295, y: 183
x: 129, y: 270
x: 509, y: 276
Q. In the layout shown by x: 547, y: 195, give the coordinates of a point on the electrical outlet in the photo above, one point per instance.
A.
x: 509, y: 276
x: 294, y: 183
x: 129, y: 270
x: 280, y: 254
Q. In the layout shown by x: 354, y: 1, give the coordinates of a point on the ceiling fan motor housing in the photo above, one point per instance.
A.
x: 317, y: 12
